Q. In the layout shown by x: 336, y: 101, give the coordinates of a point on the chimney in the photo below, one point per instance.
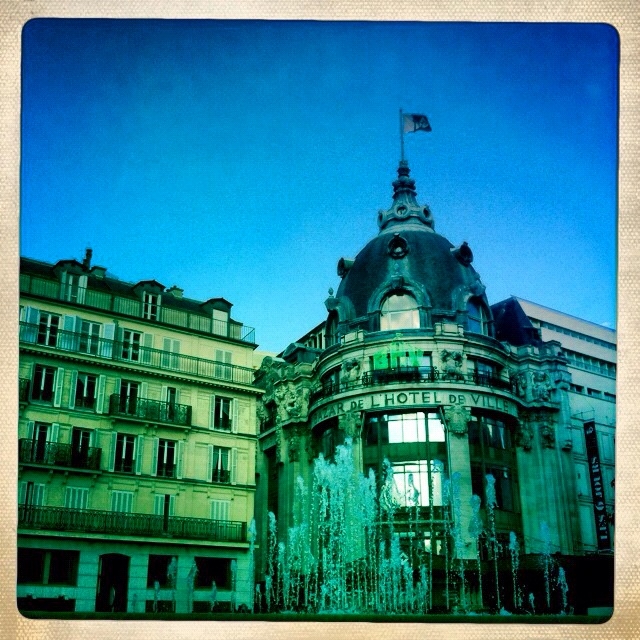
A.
x: 88, y: 254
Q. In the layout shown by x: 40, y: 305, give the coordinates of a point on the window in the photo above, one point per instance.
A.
x: 212, y: 570
x: 161, y: 570
x: 124, y: 455
x: 492, y: 432
x: 223, y: 367
x: 166, y: 458
x: 171, y: 398
x: 121, y: 501
x: 76, y: 497
x: 502, y: 486
x: 89, y: 337
x: 80, y: 443
x: 129, y: 391
x: 221, y: 413
x: 170, y: 353
x: 131, y: 345
x: 42, y: 566
x: 331, y: 332
x: 73, y: 287
x: 85, y: 396
x: 476, y: 317
x: 43, y: 383
x: 31, y: 494
x: 48, y: 329
x: 220, y: 464
x: 150, y: 305
x: 483, y: 372
x: 39, y: 440
x: 412, y: 481
x: 399, y: 311
x: 405, y: 428
x: 220, y: 322
x: 220, y: 510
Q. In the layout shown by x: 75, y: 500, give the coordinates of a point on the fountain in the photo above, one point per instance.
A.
x: 564, y: 589
x: 354, y: 549
x: 546, y: 561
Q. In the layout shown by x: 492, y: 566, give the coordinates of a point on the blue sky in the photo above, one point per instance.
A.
x: 243, y: 158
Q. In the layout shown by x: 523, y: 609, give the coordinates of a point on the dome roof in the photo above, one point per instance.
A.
x: 406, y: 257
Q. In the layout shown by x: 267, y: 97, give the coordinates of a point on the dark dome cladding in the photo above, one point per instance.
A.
x: 408, y: 250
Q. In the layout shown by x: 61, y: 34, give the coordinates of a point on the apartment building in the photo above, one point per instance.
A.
x: 137, y: 445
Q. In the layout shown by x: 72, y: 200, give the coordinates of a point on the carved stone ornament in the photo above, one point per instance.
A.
x: 292, y: 401
x: 547, y: 435
x: 350, y: 371
x: 524, y: 435
x: 541, y: 386
x: 452, y: 364
x: 294, y: 439
x: 351, y: 424
x: 521, y: 385
x: 457, y: 418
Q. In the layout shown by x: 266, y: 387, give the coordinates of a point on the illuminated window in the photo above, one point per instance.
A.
x: 399, y: 311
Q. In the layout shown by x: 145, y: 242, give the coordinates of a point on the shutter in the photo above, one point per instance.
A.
x: 139, y: 447
x: 112, y: 453
x: 116, y: 389
x: 82, y: 288
x: 179, y: 455
x: 147, y: 342
x: 163, y: 393
x: 68, y: 340
x: 63, y: 282
x: 58, y: 383
x: 38, y: 495
x: 92, y: 438
x: 30, y: 427
x: 100, y: 393
x: 234, y: 415
x: 166, y: 348
x: 172, y: 505
x: 212, y: 412
x: 53, y: 432
x: 32, y: 318
x: 158, y: 504
x: 72, y: 390
x: 128, y: 502
x: 154, y: 457
x: 22, y: 493
x: 220, y: 509
x: 108, y: 336
x: 114, y: 500
x: 233, y: 465
x: 210, y: 472
x: 144, y: 389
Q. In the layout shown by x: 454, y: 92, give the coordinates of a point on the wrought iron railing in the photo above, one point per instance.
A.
x: 221, y: 475
x: 137, y: 354
x: 404, y: 375
x: 59, y: 454
x: 129, y: 524
x: 152, y: 410
x: 134, y: 308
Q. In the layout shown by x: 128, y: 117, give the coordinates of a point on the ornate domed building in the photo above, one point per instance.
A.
x: 438, y: 400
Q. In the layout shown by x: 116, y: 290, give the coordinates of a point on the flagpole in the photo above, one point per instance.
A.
x: 401, y: 138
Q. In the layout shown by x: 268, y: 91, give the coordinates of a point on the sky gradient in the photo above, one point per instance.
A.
x: 242, y: 159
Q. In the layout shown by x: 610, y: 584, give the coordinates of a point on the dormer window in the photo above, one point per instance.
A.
x: 476, y: 317
x: 399, y: 311
x: 150, y: 305
x: 220, y: 322
x: 73, y: 287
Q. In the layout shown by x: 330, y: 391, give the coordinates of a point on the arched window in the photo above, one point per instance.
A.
x: 476, y: 317
x: 331, y: 330
x: 399, y: 311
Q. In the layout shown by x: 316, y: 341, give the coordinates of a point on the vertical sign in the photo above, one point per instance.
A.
x: 597, y: 486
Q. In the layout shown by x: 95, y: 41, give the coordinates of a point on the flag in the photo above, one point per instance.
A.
x: 414, y: 122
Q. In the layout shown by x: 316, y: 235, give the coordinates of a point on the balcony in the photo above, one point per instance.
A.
x: 57, y: 454
x: 126, y: 352
x: 129, y: 524
x: 134, y: 308
x: 408, y: 375
x: 150, y: 410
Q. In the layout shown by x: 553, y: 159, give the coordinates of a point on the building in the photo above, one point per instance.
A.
x: 488, y: 432
x: 137, y: 445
